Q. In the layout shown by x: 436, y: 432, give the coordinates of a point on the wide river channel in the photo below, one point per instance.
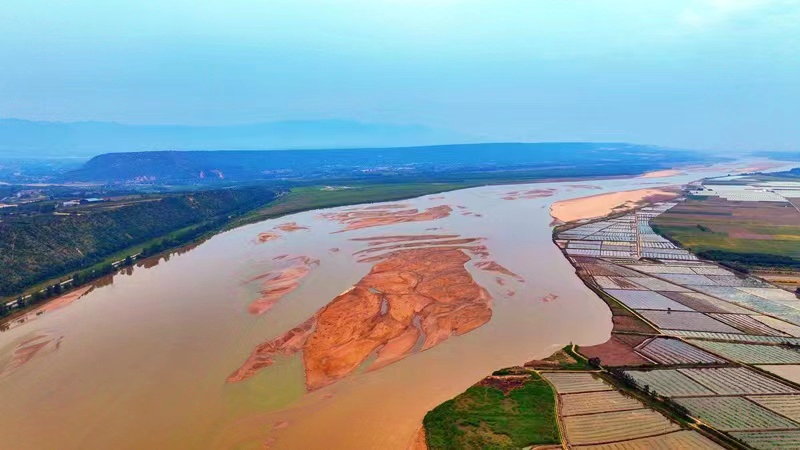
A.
x: 142, y: 362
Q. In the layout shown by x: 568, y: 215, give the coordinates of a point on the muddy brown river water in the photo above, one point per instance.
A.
x: 143, y: 362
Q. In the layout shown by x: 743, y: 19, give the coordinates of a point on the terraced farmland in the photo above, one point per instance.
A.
x: 770, y: 440
x: 669, y: 383
x: 594, y: 402
x: 751, y: 353
x: 682, y: 320
x: 735, y: 414
x: 683, y: 440
x: 785, y: 405
x: 615, y: 426
x: 569, y: 383
x: 674, y: 351
x: 736, y: 381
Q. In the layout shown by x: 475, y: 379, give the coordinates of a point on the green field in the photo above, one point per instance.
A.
x: 751, y: 233
x: 486, y: 416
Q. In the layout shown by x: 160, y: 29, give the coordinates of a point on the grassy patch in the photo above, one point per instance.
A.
x: 487, y: 417
x: 742, y: 232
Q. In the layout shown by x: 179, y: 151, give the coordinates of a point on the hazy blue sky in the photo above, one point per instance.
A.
x: 692, y: 73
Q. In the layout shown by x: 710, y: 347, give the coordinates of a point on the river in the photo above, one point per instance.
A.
x: 142, y: 362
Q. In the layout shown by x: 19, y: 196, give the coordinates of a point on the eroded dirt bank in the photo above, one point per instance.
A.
x: 612, y: 202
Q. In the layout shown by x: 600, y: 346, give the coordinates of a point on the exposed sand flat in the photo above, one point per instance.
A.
x: 661, y: 173
x: 412, y: 296
x: 373, y: 216
x: 603, y: 204
x: 28, y: 349
x: 267, y: 236
x: 64, y: 300
x: 279, y: 282
x: 290, y: 226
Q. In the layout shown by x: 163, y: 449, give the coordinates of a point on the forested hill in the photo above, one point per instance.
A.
x: 432, y: 163
x: 42, y: 246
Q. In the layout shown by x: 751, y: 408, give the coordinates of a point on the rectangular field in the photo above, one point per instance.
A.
x: 670, y: 383
x: 785, y: 405
x: 645, y: 300
x: 770, y: 440
x: 689, y: 280
x: 751, y: 353
x: 735, y: 414
x: 595, y: 402
x: 748, y: 324
x: 705, y: 303
x: 683, y: 440
x: 569, y: 383
x: 737, y: 381
x: 733, y: 337
x: 682, y: 320
x: 780, y: 325
x: 674, y: 351
x: 774, y: 294
x: 615, y: 426
x: 654, y: 284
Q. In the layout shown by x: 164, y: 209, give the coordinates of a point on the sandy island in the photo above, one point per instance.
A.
x: 613, y: 202
x: 411, y: 301
x: 661, y: 173
x: 279, y: 282
x: 377, y: 215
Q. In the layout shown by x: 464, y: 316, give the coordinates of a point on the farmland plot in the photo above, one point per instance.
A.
x: 711, y: 270
x: 789, y: 372
x: 751, y: 353
x: 654, y: 284
x: 669, y: 383
x: 682, y: 320
x: 770, y: 440
x: 748, y: 324
x: 705, y: 303
x: 683, y: 440
x: 737, y: 380
x: 616, y: 426
x: 734, y: 414
x: 616, y: 282
x: 774, y: 294
x: 674, y: 351
x: 660, y: 268
x: 595, y: 402
x: 785, y: 405
x: 646, y: 300
x: 568, y: 383
x: 780, y: 325
x: 691, y: 280
x: 733, y: 337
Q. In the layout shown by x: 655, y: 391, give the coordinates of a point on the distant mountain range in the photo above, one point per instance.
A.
x: 445, y: 163
x: 25, y: 139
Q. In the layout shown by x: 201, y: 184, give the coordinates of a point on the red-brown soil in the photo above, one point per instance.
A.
x: 381, y: 240
x: 64, y: 300
x: 28, y: 349
x: 281, y: 281
x: 530, y: 194
x: 379, y: 215
x: 290, y: 226
x: 410, y: 301
x: 492, y: 266
x: 617, y: 351
x: 266, y: 237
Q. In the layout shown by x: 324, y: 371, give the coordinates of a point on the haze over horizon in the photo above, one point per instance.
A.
x: 706, y: 74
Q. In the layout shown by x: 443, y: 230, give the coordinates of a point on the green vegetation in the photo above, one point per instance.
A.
x: 738, y: 234
x: 44, y: 246
x: 496, y: 414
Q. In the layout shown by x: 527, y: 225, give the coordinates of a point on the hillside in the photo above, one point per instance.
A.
x: 432, y: 163
x: 26, y: 139
x: 42, y: 246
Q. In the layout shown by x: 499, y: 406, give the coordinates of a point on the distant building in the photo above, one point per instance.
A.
x: 69, y: 203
